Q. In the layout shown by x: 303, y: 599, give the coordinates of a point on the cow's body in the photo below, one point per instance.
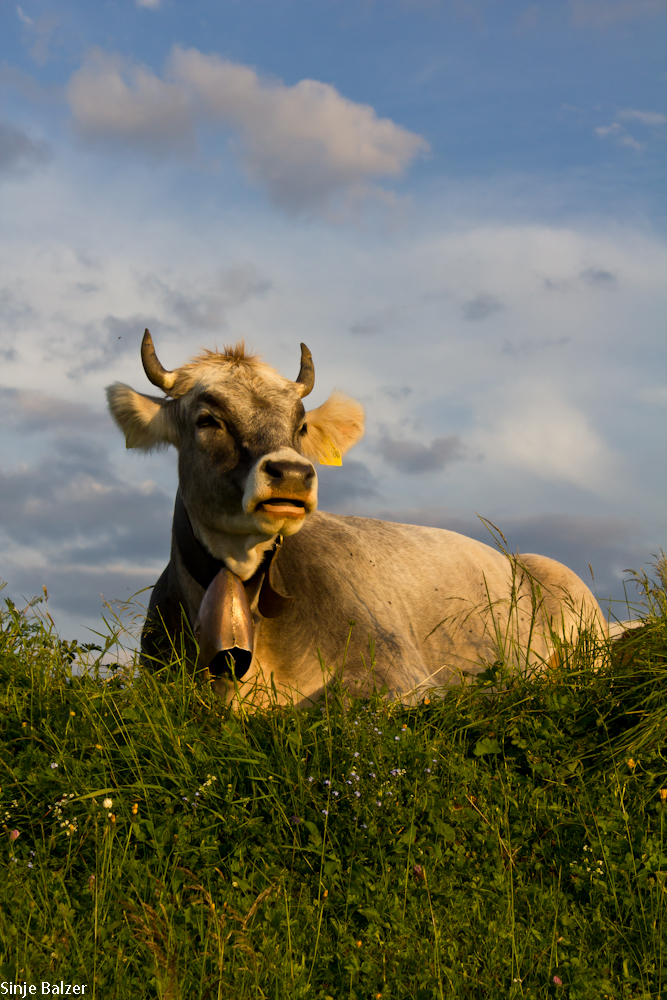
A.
x: 433, y: 605
x: 438, y: 607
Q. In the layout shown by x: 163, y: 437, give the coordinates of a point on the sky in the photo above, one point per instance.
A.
x: 458, y: 205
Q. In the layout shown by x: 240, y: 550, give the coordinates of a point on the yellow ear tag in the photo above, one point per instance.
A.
x: 330, y: 455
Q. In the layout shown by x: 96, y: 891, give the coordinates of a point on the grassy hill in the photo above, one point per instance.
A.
x: 507, y: 839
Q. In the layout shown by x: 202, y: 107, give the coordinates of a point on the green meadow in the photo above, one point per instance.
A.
x: 503, y: 839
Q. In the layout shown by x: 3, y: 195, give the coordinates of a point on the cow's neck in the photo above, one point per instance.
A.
x: 204, y: 556
x: 203, y: 567
x: 242, y: 554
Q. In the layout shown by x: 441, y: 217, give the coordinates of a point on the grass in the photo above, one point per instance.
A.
x: 503, y: 840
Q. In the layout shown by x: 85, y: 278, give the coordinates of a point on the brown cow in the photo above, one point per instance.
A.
x: 269, y: 585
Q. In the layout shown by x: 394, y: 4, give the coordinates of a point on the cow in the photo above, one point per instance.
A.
x: 273, y: 598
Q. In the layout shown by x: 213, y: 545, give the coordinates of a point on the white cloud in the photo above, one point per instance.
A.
x: 113, y: 101
x: 627, y: 140
x: 42, y: 29
x: 645, y: 117
x: 620, y: 135
x: 24, y: 17
x: 605, y: 130
x: 534, y: 429
x: 619, y: 132
x: 306, y: 144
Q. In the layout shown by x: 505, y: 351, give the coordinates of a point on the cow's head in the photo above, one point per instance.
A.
x: 246, y: 445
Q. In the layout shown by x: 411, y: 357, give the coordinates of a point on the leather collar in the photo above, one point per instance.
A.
x: 200, y: 564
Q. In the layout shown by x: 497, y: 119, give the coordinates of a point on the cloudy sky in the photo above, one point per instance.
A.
x: 457, y: 205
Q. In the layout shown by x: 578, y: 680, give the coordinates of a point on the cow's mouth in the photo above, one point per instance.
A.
x: 282, y: 507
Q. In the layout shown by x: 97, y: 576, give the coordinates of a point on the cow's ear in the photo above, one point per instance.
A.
x: 145, y: 421
x: 333, y: 428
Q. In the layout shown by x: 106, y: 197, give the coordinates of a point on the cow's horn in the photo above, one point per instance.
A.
x: 306, y: 376
x: 158, y: 375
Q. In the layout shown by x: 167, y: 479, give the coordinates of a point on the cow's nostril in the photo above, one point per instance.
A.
x: 289, y: 470
x: 275, y: 469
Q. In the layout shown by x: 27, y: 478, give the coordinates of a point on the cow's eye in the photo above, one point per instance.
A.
x: 206, y: 420
x: 303, y: 430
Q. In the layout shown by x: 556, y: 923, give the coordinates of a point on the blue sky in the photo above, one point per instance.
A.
x: 458, y: 206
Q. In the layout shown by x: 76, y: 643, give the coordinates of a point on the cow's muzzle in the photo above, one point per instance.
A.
x: 283, y: 489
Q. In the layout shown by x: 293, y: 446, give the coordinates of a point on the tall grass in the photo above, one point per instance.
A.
x: 500, y: 840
